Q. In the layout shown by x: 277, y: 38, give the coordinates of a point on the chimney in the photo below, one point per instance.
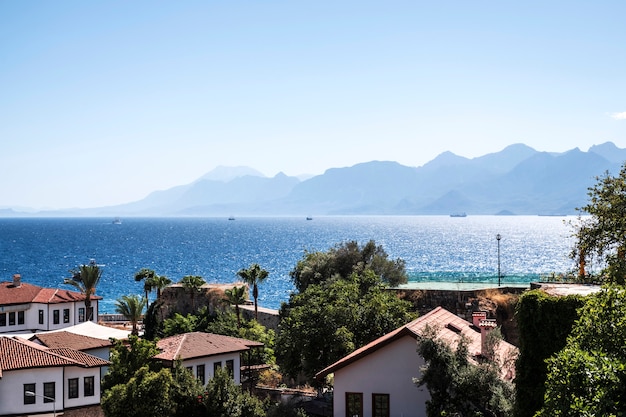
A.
x: 17, y: 280
x: 477, y: 316
x: 485, y: 326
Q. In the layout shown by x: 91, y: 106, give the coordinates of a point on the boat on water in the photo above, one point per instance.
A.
x: 309, y: 218
x: 117, y: 220
x: 231, y: 218
x: 458, y: 215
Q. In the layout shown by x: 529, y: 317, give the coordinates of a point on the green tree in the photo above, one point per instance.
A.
x: 180, y: 324
x: 128, y: 358
x: 236, y: 296
x: 86, y: 278
x: 588, y: 377
x: 544, y: 322
x: 193, y: 284
x: 459, y: 387
x: 152, y: 281
x: 601, y: 236
x: 329, y: 320
x: 131, y: 307
x: 345, y: 259
x: 253, y: 276
x: 160, y: 282
x: 223, y: 398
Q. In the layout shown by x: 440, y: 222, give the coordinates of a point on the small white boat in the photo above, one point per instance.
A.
x: 309, y: 218
x: 117, y: 220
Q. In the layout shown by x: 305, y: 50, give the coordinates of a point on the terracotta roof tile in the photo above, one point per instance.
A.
x: 199, y: 344
x: 450, y: 328
x: 16, y: 353
x: 28, y: 293
x: 85, y: 359
x: 65, y: 339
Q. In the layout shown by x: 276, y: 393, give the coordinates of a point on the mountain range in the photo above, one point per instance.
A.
x: 516, y: 180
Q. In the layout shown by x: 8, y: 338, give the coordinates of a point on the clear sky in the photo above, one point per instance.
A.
x: 102, y: 102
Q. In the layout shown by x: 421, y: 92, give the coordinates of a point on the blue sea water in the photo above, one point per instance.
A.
x: 435, y: 248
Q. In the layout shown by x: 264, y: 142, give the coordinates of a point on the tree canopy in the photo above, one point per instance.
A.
x: 254, y: 275
x: 601, y: 236
x: 86, y: 278
x: 588, y: 377
x: 344, y: 259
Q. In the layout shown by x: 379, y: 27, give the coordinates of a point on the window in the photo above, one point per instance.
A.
x: 3, y: 319
x: 40, y: 316
x: 354, y: 404
x: 49, y: 392
x: 230, y: 366
x: 89, y: 387
x: 91, y: 317
x: 380, y: 405
x: 12, y: 318
x: 81, y: 314
x: 216, y: 366
x: 66, y: 315
x: 55, y: 317
x: 20, y: 317
x: 29, y: 399
x: 72, y: 388
x: 200, y: 373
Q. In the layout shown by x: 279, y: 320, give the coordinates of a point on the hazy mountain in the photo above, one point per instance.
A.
x: 516, y: 180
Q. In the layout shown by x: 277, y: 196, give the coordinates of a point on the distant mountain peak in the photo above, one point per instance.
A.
x: 226, y: 174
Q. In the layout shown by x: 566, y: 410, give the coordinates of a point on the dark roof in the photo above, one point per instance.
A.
x: 200, y: 344
x: 28, y: 293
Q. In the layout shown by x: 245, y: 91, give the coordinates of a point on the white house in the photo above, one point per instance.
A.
x: 377, y: 379
x: 35, y: 379
x: 30, y: 308
x: 202, y: 353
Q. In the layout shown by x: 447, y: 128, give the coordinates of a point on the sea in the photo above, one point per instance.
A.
x: 436, y: 249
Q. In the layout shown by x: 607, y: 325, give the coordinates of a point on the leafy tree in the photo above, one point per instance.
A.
x: 253, y: 276
x: 159, y: 282
x: 223, y: 398
x: 588, y: 377
x: 343, y: 260
x: 237, y: 296
x: 193, y: 283
x: 86, y: 278
x: 180, y: 324
x: 329, y: 320
x: 146, y: 275
x: 131, y: 307
x: 459, y: 387
x: 126, y: 359
x: 544, y: 322
x: 602, y: 235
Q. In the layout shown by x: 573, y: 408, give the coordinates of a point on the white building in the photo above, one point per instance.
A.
x: 36, y: 380
x: 203, y: 353
x: 30, y: 308
x: 377, y: 379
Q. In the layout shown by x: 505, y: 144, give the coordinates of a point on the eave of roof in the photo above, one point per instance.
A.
x: 199, y: 344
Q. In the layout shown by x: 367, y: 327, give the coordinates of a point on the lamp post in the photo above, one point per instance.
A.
x: 54, y: 405
x: 498, y: 237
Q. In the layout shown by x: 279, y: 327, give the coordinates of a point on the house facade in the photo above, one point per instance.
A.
x: 377, y: 379
x: 203, y: 353
x: 29, y: 308
x: 36, y: 380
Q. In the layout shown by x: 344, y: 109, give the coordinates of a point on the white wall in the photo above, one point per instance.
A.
x: 12, y: 390
x: 208, y: 365
x: 389, y: 370
x: 81, y: 373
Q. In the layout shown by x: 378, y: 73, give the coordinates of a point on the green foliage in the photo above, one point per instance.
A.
x: 345, y: 259
x: 86, y: 278
x: 329, y: 320
x: 131, y: 307
x: 588, y: 377
x: 223, y: 398
x: 167, y: 392
x: 192, y: 283
x: 236, y: 296
x: 544, y: 322
x: 459, y: 387
x: 126, y: 360
x: 602, y: 235
x: 253, y: 276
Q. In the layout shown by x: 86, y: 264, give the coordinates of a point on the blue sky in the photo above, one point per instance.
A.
x: 102, y: 102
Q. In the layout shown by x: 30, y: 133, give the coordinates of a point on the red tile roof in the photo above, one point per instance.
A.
x: 450, y: 327
x: 17, y: 353
x: 64, y: 339
x: 28, y: 293
x: 199, y: 344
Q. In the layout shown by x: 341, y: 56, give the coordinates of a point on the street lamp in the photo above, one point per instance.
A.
x: 498, y: 237
x: 54, y: 405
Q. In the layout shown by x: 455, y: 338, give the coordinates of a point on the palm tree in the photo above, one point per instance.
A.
x: 237, y: 296
x: 253, y: 276
x: 159, y: 282
x: 147, y: 275
x: 131, y: 307
x: 86, y: 279
x: 192, y: 283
